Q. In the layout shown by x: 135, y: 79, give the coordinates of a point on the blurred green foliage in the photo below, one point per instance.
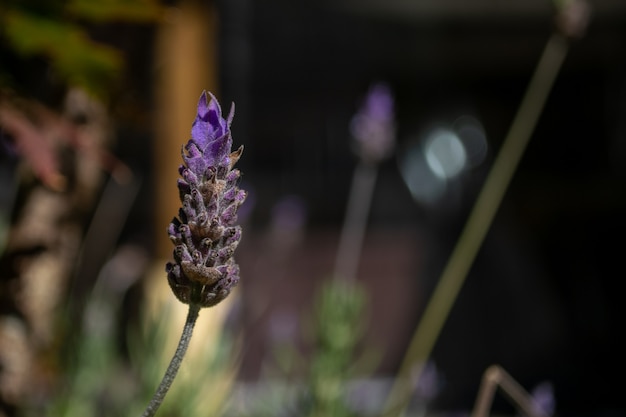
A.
x: 317, y: 382
x: 73, y: 56
x: 116, y: 10
x: 338, y: 332
x: 102, y: 381
x: 56, y: 32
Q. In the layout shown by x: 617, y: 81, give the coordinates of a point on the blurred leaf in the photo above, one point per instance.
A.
x: 73, y: 55
x: 31, y: 144
x: 108, y: 10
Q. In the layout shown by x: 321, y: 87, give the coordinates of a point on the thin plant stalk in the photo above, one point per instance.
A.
x: 355, y: 222
x: 496, y: 377
x: 174, y: 365
x: 477, y: 225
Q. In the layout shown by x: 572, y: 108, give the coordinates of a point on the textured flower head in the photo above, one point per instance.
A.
x: 204, y: 234
x: 373, y: 127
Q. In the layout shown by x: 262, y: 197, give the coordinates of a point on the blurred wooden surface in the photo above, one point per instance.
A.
x: 185, y: 65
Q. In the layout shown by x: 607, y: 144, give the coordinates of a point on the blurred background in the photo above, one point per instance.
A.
x: 96, y: 101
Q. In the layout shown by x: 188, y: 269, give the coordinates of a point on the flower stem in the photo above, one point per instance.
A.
x: 477, y: 225
x: 355, y: 222
x: 174, y: 365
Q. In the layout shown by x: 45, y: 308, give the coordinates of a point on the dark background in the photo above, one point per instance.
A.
x: 544, y: 297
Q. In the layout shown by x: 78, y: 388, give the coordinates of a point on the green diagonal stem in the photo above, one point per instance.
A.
x: 477, y: 225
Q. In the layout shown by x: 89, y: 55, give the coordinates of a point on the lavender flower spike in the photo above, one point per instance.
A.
x: 373, y: 127
x: 204, y: 233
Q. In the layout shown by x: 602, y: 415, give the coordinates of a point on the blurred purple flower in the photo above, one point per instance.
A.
x: 428, y: 386
x: 289, y: 214
x: 373, y: 127
x: 204, y: 233
x: 543, y: 398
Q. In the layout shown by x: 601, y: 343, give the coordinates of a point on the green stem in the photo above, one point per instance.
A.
x: 477, y: 224
x: 355, y: 222
x: 174, y: 365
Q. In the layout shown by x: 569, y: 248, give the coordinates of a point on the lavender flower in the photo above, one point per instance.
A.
x: 204, y: 233
x: 373, y: 127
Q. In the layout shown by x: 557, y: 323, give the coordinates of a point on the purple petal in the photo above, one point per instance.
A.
x: 217, y: 151
x: 203, y: 108
x: 215, y: 116
x: 208, y: 121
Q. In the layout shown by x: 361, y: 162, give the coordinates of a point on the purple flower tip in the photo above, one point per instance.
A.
x: 204, y: 234
x: 373, y: 127
x: 210, y: 132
